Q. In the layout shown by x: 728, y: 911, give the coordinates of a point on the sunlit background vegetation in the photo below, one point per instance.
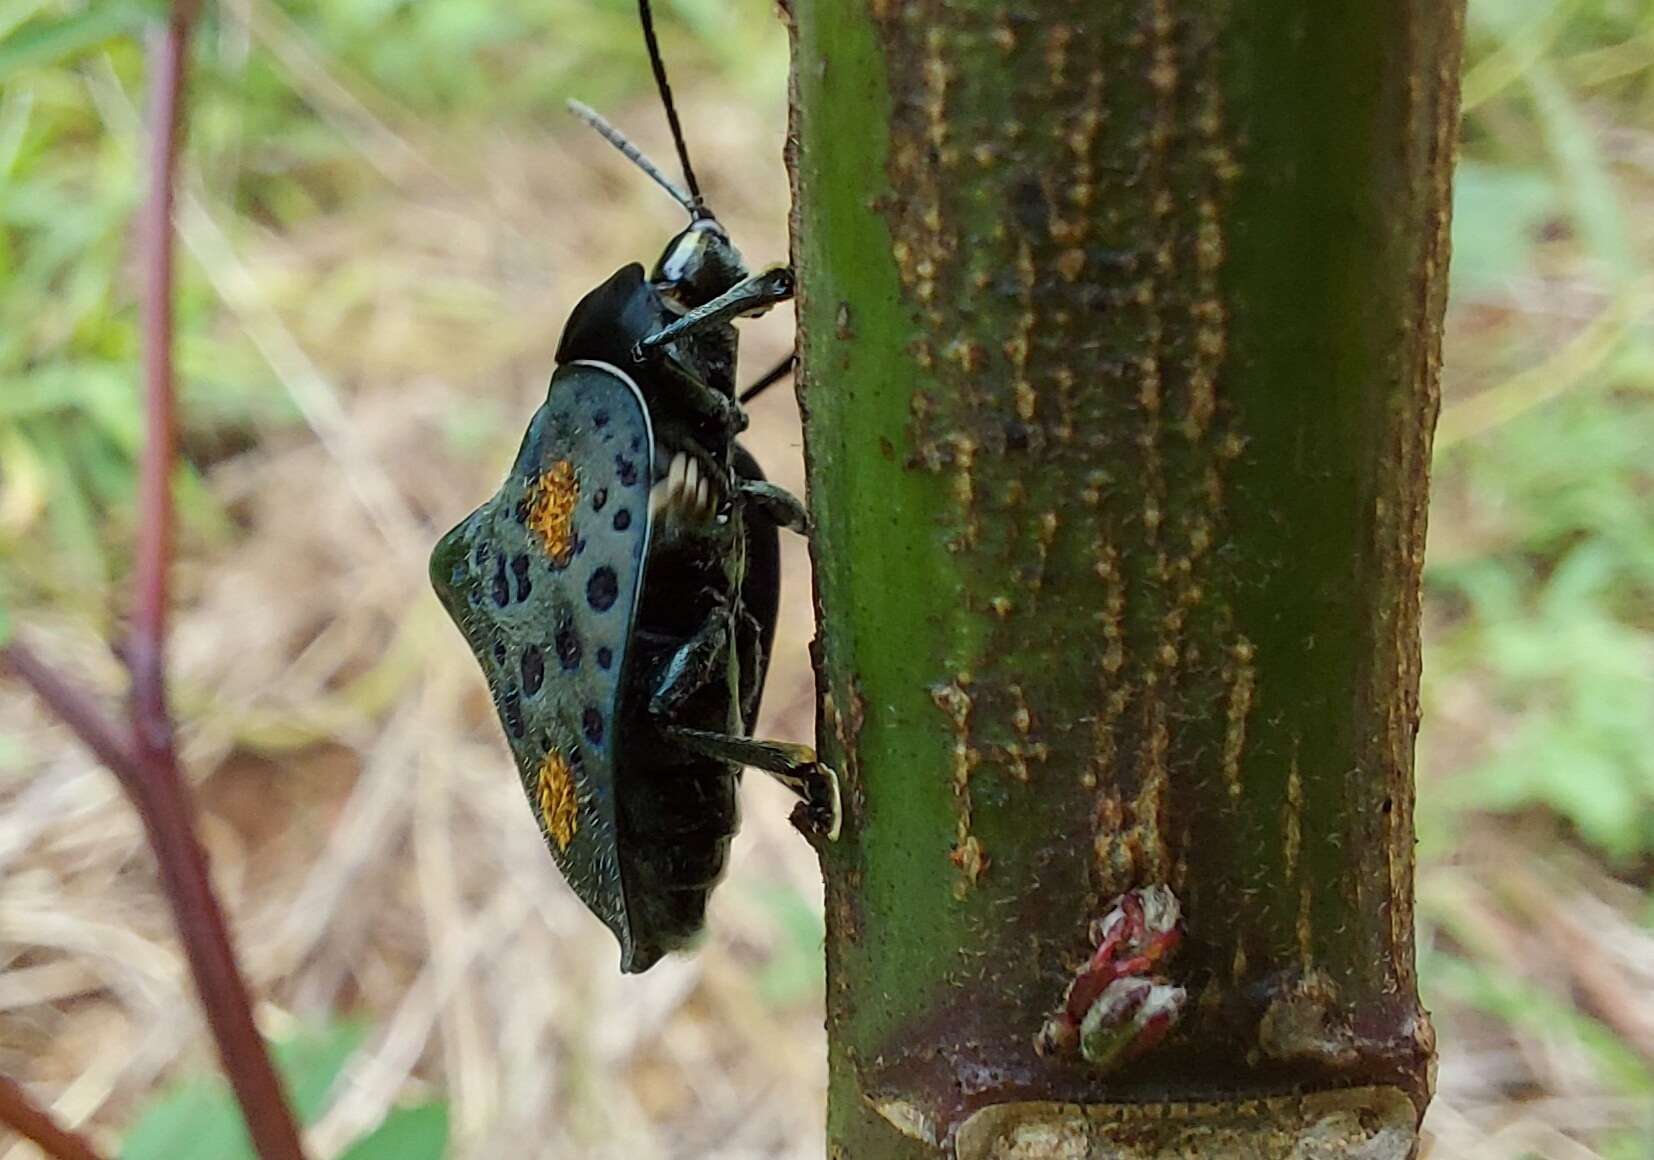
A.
x: 386, y: 216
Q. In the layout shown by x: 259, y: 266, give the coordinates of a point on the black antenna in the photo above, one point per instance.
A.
x: 697, y: 207
x: 635, y: 155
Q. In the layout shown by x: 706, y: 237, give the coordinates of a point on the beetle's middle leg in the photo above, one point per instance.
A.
x: 775, y: 504
x: 794, y: 766
x: 693, y: 666
x: 764, y: 500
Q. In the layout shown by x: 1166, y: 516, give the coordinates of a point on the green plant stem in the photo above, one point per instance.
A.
x: 1120, y: 336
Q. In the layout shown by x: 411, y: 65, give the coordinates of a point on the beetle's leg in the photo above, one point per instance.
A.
x: 794, y: 766
x: 769, y: 378
x: 752, y: 650
x: 692, y: 666
x: 711, y: 403
x: 752, y: 295
x: 775, y: 504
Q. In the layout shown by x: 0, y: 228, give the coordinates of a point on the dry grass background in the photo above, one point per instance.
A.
x: 357, y: 801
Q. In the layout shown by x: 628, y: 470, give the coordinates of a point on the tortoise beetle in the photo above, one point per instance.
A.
x: 620, y: 590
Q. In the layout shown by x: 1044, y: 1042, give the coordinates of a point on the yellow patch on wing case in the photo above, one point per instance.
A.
x: 551, y: 505
x: 557, y: 801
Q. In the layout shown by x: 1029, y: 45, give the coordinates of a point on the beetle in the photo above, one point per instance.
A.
x: 620, y: 589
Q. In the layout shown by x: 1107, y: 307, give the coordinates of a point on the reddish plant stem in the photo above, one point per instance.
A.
x: 34, y: 1123
x: 146, y: 648
x: 153, y: 782
x: 105, y: 738
x: 144, y: 758
x: 157, y: 787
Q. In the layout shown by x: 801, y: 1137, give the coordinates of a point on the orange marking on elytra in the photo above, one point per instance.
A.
x: 557, y: 803
x: 551, y: 505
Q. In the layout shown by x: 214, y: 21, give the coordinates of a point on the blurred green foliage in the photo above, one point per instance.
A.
x: 263, y: 160
x: 198, y: 1119
x: 1546, y: 560
x: 1539, y: 674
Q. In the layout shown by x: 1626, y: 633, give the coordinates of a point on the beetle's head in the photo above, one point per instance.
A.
x: 698, y: 265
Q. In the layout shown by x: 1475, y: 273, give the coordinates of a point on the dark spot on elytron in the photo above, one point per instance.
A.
x: 534, y: 669
x: 602, y: 589
x: 605, y: 657
x: 511, y: 708
x: 520, y: 512
x: 599, y: 498
x: 600, y: 418
x: 519, y: 568
x: 1016, y: 437
x: 502, y: 587
x: 591, y: 723
x: 568, y: 647
x: 499, y: 651
x: 623, y: 520
x: 627, y: 470
x: 1389, y: 805
x: 637, y: 442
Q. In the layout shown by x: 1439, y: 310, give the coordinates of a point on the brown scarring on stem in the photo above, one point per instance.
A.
x: 144, y: 757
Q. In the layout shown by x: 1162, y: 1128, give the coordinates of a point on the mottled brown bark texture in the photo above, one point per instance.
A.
x: 1121, y: 329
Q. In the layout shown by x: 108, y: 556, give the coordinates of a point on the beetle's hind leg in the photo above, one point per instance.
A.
x: 794, y: 766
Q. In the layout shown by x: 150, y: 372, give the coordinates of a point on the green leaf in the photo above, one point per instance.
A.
x: 311, y: 1061
x: 196, y: 1120
x: 1516, y: 1000
x: 1592, y: 195
x: 793, y: 972
x: 417, y: 1133
x: 1497, y: 213
x: 199, y: 1119
x: 43, y: 43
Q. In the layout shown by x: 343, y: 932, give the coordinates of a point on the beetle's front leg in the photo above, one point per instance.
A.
x: 752, y: 295
x: 708, y: 402
x: 693, y: 666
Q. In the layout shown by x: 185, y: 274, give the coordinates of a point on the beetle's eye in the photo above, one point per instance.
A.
x: 680, y: 264
x: 697, y: 265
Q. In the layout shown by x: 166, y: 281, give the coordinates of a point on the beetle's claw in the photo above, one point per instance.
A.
x: 821, y: 813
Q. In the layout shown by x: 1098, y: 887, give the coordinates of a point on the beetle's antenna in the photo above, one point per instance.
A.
x: 697, y: 205
x: 635, y: 155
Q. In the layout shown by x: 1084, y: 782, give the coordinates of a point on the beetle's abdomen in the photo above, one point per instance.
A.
x: 676, y: 826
